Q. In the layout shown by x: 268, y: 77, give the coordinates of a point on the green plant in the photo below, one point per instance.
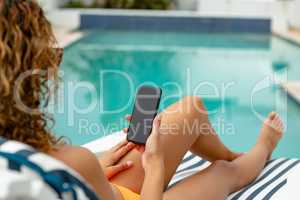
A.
x: 74, y: 4
x: 153, y: 4
x: 98, y: 4
x: 123, y: 4
x: 139, y: 4
x: 120, y: 4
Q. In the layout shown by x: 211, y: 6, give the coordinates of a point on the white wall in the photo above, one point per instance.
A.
x: 68, y: 19
x: 286, y: 14
x: 242, y: 8
x: 49, y: 5
x: 294, y: 14
x: 280, y: 16
x: 282, y: 12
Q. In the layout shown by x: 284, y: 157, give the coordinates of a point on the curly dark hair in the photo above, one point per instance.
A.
x: 26, y: 46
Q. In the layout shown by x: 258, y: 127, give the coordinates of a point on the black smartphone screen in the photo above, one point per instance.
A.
x: 144, y: 111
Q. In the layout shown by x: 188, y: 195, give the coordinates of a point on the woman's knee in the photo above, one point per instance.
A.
x: 188, y: 115
x: 193, y: 105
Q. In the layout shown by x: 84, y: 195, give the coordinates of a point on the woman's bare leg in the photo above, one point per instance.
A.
x: 223, y: 177
x: 208, y: 145
x: 182, y: 130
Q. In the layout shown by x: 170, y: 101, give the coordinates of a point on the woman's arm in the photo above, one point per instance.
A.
x: 109, y: 160
x: 154, y: 181
x: 87, y: 165
x: 153, y: 163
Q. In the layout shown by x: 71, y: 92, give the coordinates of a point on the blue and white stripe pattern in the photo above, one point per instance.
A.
x: 272, y: 179
x: 28, y: 174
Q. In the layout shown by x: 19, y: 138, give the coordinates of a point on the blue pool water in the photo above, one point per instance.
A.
x: 102, y: 71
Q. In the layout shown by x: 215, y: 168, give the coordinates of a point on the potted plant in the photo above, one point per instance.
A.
x: 186, y: 4
x: 121, y: 4
x: 74, y: 4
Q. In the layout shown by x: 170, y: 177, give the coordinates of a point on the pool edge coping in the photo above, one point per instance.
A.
x: 66, y: 38
x: 287, y: 36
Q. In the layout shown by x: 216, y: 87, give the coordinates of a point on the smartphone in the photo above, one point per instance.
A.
x: 144, y: 111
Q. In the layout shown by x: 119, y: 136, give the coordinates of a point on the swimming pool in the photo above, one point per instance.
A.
x: 101, y: 70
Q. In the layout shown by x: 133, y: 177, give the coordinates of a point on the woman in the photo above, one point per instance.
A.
x: 126, y: 172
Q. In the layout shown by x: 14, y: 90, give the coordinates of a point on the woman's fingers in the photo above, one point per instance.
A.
x: 153, y: 147
x: 121, y: 152
x: 140, y: 148
x: 128, y: 117
x: 156, y: 125
x: 125, y: 130
x: 116, y: 169
x: 120, y: 145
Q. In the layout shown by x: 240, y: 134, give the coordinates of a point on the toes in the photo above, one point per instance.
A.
x: 274, y: 121
x: 272, y: 115
x: 277, y: 123
x: 281, y: 125
x: 276, y: 126
x: 277, y: 117
x: 274, y: 118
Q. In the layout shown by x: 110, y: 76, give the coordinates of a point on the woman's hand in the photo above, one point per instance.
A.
x: 109, y: 159
x: 152, y: 151
x: 153, y: 154
x: 153, y: 163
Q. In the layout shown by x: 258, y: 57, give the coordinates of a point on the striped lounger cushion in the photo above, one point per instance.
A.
x: 28, y: 174
x: 279, y: 180
x: 271, y: 180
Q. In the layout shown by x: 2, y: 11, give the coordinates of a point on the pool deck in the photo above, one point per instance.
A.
x: 292, y: 35
x: 66, y: 37
x: 293, y: 89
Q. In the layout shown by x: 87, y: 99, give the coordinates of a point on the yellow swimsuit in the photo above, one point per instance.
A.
x: 127, y: 194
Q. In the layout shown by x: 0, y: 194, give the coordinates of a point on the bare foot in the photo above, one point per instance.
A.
x: 271, y: 132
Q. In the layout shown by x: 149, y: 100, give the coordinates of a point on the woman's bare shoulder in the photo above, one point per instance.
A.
x: 87, y: 165
x: 78, y: 158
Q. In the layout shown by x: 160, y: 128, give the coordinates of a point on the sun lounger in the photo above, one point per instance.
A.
x: 28, y: 174
x: 278, y: 181
x: 31, y: 175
